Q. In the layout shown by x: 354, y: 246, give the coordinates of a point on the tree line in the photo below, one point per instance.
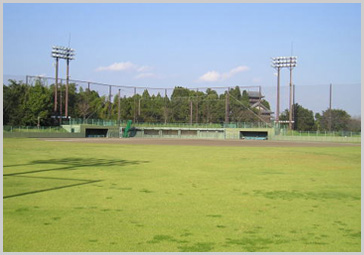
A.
x: 28, y: 105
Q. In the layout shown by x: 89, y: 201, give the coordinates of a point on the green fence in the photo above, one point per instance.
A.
x: 100, y: 122
x: 34, y: 129
x: 285, y: 132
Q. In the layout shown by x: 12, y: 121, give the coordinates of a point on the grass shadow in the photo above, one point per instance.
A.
x: 74, y: 163
x: 67, y: 164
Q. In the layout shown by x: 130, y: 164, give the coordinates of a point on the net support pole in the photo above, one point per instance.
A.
x: 227, y: 106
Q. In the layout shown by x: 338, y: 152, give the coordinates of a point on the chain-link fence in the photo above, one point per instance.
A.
x: 198, y: 109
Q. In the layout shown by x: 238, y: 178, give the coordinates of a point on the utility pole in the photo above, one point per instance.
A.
x: 67, y: 82
x: 197, y: 106
x: 294, y: 103
x: 60, y: 102
x: 278, y: 93
x: 109, y: 101
x: 56, y: 87
x: 191, y: 111
x: 134, y: 105
x: 260, y: 101
x: 119, y: 107
x: 330, y: 105
x: 290, y: 98
x: 139, y: 107
x: 227, y: 106
x: 165, y: 106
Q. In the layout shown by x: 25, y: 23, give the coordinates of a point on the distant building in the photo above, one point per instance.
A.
x: 255, y: 99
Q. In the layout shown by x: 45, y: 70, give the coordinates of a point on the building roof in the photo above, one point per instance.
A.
x: 255, y: 94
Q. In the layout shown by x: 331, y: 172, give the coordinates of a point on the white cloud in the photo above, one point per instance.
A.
x: 144, y: 69
x: 210, y: 76
x: 213, y: 76
x: 235, y: 71
x: 124, y: 66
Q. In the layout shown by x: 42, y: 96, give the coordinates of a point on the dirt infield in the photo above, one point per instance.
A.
x: 200, y: 142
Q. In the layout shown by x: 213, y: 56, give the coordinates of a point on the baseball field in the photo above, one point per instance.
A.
x: 145, y: 195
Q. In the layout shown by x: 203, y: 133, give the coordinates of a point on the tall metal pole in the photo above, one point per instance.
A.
x: 227, y: 106
x: 197, y: 106
x: 278, y: 80
x: 260, y: 101
x: 294, y: 102
x: 59, y: 52
x: 165, y: 106
x: 56, y: 87
x: 278, y: 63
x: 119, y: 115
x: 119, y: 107
x: 191, y: 111
x: 330, y: 105
x: 139, y: 107
x: 290, y: 97
x: 60, y: 103
x: 109, y: 101
x: 134, y: 105
x: 67, y: 82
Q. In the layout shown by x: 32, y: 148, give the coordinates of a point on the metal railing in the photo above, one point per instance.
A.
x: 285, y: 132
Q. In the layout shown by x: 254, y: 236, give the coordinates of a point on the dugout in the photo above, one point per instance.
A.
x: 96, y: 132
x: 254, y: 135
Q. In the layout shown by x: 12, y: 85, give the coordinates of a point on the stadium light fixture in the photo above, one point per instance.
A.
x: 67, y: 53
x: 285, y: 62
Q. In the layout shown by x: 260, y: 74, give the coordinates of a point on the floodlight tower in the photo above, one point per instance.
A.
x: 67, y: 54
x: 278, y: 63
x: 56, y: 56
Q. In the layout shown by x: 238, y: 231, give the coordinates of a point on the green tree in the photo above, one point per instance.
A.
x: 38, y: 105
x: 354, y: 124
x: 88, y: 104
x: 14, y: 96
x: 336, y: 118
x: 303, y: 118
x: 180, y: 105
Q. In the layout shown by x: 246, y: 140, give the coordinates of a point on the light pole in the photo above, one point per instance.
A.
x: 282, y: 62
x: 67, y: 54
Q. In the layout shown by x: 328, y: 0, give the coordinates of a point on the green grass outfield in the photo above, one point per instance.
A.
x: 62, y: 196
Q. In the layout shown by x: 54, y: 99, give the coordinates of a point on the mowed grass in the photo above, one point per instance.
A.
x: 61, y: 196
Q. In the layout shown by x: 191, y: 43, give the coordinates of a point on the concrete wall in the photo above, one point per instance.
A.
x: 184, y: 133
x: 70, y: 128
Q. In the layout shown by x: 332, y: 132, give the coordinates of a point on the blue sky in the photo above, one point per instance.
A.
x: 192, y: 45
